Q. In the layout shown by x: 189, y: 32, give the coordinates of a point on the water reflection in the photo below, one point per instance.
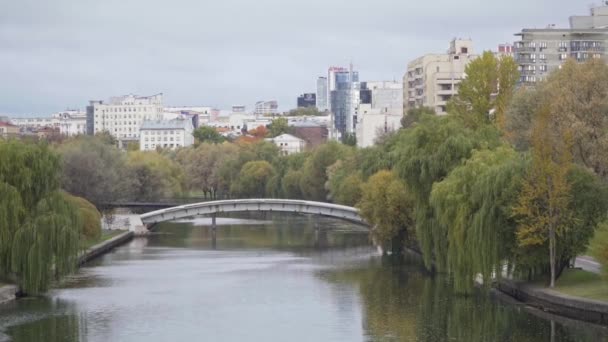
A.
x: 44, y: 319
x: 270, y: 278
x: 402, y: 303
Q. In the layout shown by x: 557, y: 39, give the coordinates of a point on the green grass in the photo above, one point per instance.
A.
x: 579, y: 283
x: 105, y: 235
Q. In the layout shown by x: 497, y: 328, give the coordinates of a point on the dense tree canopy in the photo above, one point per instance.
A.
x: 39, y: 229
x: 208, y: 134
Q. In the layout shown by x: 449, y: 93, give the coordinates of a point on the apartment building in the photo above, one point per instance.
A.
x: 123, y: 116
x: 540, y: 51
x: 171, y: 134
x: 432, y: 80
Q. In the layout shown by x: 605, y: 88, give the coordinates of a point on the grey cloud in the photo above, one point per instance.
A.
x: 60, y: 53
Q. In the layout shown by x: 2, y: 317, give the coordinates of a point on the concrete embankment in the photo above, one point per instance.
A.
x: 8, y: 293
x: 551, y: 301
x: 104, y: 247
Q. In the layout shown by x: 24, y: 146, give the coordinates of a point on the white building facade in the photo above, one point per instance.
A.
x: 266, y: 107
x: 432, y: 80
x: 72, y: 122
x: 123, y: 116
x: 288, y: 144
x: 171, y: 134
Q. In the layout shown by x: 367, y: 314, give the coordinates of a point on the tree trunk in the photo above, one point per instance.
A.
x: 552, y: 255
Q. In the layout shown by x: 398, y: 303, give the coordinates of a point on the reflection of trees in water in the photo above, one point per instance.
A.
x: 402, y: 304
x: 58, y: 323
x: 283, y: 232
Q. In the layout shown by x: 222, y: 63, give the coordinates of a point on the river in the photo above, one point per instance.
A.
x: 269, y: 278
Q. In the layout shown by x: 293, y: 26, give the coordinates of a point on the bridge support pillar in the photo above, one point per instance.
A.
x: 213, y: 232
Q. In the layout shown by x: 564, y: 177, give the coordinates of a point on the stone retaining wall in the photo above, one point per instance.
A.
x: 104, y: 247
x: 551, y: 301
x: 7, y: 293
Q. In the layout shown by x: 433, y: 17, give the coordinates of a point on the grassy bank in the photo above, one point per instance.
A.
x: 579, y: 283
x: 105, y: 235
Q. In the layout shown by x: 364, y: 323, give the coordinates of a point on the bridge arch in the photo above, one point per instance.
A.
x: 245, y: 205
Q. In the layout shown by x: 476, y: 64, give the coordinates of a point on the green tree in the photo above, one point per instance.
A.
x: 253, y: 179
x: 349, y: 139
x: 577, y: 96
x: 95, y: 170
x: 473, y: 205
x: 426, y: 154
x: 154, y: 176
x: 208, y: 134
x: 306, y: 111
x: 91, y: 217
x: 314, y: 171
x: 278, y: 126
x: 599, y: 247
x: 488, y: 87
x: 344, y: 183
x: 388, y: 207
x: 542, y: 207
x: 412, y: 116
x: 39, y: 228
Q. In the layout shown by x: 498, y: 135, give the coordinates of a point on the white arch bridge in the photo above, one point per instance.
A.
x: 244, y: 205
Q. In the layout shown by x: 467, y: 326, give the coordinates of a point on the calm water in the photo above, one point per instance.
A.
x: 270, y: 279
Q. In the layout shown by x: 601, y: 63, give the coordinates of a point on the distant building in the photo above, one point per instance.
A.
x: 266, y: 108
x: 541, y: 51
x: 322, y: 95
x: 72, y: 122
x: 343, y: 87
x: 381, y: 113
x: 288, y: 144
x: 307, y: 100
x: 313, y: 133
x: 505, y: 50
x: 123, y: 116
x: 239, y: 109
x: 165, y: 134
x: 432, y: 80
x: 36, y: 123
x: 8, y: 130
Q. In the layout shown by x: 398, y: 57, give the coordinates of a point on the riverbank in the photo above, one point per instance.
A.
x: 105, y: 246
x: 589, y: 310
x: 9, y: 292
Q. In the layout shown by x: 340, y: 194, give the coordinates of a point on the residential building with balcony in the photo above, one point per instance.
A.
x: 541, y: 51
x: 432, y: 80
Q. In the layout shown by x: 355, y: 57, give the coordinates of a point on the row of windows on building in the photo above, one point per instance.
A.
x: 127, y: 109
x: 531, y: 57
x: 158, y: 132
x: 152, y: 139
x: 153, y: 146
x: 121, y: 117
x: 563, y: 45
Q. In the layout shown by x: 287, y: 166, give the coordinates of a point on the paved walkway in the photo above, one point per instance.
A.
x: 588, y: 264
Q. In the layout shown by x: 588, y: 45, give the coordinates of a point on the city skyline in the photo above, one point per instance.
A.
x: 238, y: 55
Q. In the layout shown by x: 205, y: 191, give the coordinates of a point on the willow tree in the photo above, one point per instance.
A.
x: 426, y: 154
x: 39, y: 229
x: 473, y: 203
x: 387, y: 205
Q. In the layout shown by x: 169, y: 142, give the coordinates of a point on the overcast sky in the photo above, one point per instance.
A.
x: 56, y: 54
